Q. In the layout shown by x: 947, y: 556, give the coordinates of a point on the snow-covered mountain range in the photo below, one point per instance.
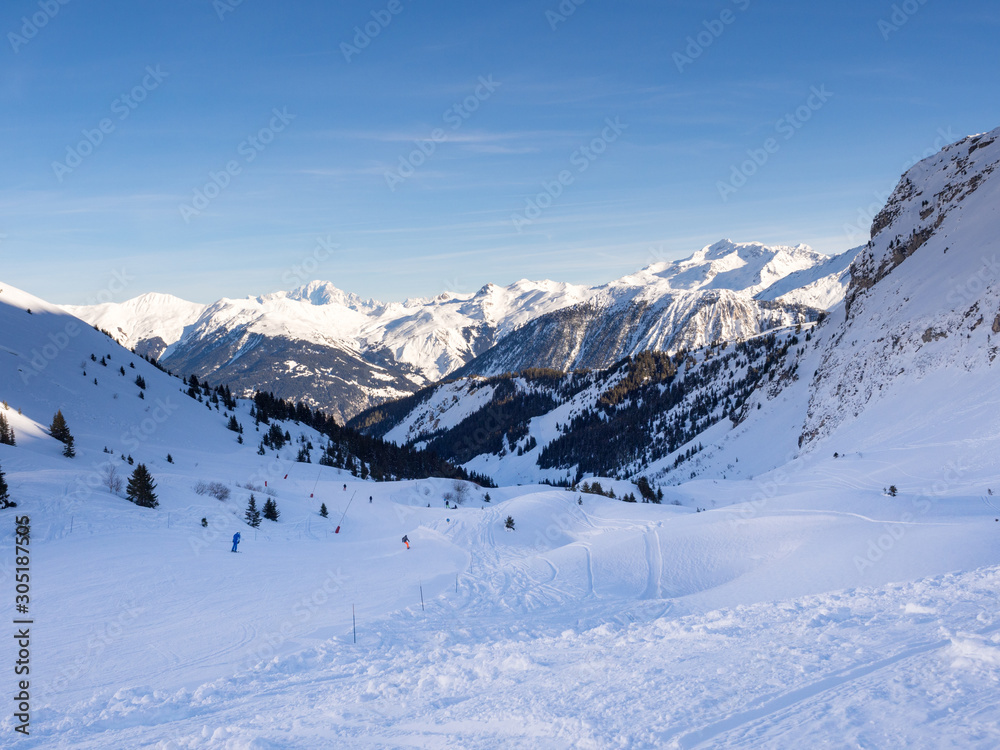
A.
x: 336, y: 350
x: 908, y: 356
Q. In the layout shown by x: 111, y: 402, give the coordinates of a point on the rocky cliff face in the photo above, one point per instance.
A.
x: 924, y: 294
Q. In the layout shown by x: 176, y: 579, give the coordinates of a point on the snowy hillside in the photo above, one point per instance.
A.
x: 333, y: 349
x: 650, y: 414
x: 123, y: 409
x: 805, y: 607
x: 147, y: 322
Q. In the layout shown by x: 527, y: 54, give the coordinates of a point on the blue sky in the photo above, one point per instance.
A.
x: 817, y: 107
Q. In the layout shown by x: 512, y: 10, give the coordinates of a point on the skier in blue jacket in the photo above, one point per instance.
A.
x: 236, y: 540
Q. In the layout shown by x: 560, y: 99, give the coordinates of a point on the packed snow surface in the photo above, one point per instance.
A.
x: 827, y: 615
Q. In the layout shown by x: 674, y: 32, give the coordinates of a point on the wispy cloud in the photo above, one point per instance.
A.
x: 396, y: 136
x: 495, y: 148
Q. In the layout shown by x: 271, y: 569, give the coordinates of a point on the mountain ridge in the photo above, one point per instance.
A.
x: 335, y: 339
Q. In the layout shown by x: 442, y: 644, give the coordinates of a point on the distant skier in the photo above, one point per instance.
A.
x: 406, y: 541
x: 345, y: 488
x: 369, y: 498
x: 236, y: 540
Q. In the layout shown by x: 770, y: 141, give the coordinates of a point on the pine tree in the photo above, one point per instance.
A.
x: 59, y: 429
x: 68, y: 450
x: 233, y: 424
x: 140, y: 488
x: 252, y: 515
x: 271, y: 510
x: 5, y: 501
x: 6, y: 432
x: 509, y: 523
x: 645, y: 490
x: 323, y: 511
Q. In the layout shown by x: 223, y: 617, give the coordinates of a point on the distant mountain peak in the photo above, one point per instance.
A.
x: 325, y: 293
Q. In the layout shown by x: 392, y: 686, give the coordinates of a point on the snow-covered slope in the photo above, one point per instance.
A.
x: 740, y: 267
x: 333, y: 349
x: 149, y: 322
x: 53, y: 361
x: 651, y: 415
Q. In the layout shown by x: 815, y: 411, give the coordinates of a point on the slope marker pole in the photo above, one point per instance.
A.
x: 346, y: 509
x: 421, y: 597
x: 354, y: 618
x: 316, y: 482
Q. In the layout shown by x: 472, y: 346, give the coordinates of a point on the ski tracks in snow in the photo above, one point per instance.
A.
x: 654, y: 558
x: 770, y: 706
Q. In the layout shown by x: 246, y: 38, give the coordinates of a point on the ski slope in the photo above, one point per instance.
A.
x: 595, y: 625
